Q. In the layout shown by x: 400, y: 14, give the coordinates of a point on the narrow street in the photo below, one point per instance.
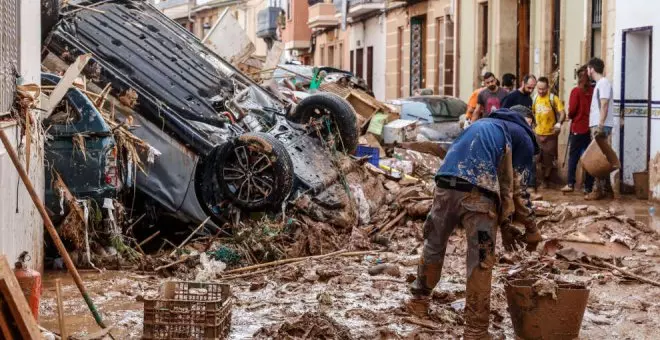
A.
x: 339, y: 297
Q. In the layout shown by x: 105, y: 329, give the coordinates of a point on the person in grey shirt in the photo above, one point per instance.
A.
x: 490, y: 99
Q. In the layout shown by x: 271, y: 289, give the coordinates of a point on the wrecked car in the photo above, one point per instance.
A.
x: 438, y: 116
x: 223, y: 140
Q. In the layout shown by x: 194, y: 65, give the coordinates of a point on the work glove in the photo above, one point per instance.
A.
x: 466, y: 124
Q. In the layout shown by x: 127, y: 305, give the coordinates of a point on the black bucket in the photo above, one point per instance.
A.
x: 540, y: 317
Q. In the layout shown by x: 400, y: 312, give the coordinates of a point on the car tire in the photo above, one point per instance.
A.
x: 340, y: 112
x: 255, y: 161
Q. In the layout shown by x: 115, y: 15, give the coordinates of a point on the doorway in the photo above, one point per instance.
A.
x: 522, y: 51
x: 359, y: 62
x: 635, y: 105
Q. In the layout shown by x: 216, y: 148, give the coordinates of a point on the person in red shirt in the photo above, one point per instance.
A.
x: 578, y: 111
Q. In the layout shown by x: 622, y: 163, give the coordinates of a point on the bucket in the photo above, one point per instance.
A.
x: 599, y: 160
x: 541, y: 317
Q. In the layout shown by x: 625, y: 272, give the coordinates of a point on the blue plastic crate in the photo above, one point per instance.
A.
x: 373, y: 153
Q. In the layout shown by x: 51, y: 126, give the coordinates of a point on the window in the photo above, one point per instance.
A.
x: 331, y: 56
x: 596, y: 23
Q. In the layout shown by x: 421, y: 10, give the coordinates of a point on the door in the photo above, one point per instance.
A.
x: 522, y: 53
x: 359, y: 62
x: 634, y: 117
x: 370, y: 67
x: 417, y: 50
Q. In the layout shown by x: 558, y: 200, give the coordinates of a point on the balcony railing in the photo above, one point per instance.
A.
x: 357, y: 8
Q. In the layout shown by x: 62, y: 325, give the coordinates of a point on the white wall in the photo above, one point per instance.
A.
x: 21, y: 227
x: 371, y: 33
x: 633, y: 14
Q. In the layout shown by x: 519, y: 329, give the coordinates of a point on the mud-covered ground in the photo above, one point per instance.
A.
x: 337, y: 298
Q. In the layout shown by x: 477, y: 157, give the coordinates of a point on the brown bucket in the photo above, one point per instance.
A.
x: 540, y: 317
x: 599, y: 160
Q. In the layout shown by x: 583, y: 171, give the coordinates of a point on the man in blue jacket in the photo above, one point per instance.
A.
x: 481, y: 184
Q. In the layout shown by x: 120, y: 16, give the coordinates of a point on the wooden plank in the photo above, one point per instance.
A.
x: 13, y: 296
x: 65, y: 83
x: 60, y: 310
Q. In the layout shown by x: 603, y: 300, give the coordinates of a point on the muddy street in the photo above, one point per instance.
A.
x: 339, y: 296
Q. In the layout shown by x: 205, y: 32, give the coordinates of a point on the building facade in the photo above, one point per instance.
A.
x: 199, y: 16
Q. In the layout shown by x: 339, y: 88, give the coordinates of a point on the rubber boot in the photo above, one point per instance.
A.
x: 428, y: 276
x: 477, y: 303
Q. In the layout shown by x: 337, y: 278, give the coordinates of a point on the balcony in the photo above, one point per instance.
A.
x: 322, y: 15
x: 358, y: 8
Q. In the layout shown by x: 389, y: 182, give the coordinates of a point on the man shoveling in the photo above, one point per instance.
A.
x: 481, y: 184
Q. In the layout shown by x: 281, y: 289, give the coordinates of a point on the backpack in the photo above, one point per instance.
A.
x: 552, y: 105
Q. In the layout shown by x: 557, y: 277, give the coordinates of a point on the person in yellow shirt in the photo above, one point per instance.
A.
x: 549, y: 113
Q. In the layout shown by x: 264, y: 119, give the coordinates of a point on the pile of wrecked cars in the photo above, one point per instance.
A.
x: 224, y: 141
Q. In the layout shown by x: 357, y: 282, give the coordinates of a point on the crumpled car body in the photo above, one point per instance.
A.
x: 178, y: 94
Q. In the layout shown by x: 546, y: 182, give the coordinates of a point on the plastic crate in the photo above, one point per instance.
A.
x: 188, y: 310
x: 373, y: 153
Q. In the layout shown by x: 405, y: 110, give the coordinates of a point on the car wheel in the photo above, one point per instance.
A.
x: 255, y: 171
x: 329, y: 117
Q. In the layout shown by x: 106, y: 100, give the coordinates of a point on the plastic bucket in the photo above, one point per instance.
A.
x: 541, y: 317
x: 599, y: 160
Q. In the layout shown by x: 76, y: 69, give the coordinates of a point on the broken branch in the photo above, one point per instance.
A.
x: 389, y: 224
x: 175, y: 262
x: 629, y: 274
x: 189, y: 237
x: 298, y: 259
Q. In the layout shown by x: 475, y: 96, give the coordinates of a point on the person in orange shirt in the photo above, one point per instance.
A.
x: 472, y: 103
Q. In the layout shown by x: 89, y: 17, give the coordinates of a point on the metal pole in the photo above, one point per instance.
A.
x: 51, y: 228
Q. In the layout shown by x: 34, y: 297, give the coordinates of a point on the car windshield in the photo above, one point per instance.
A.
x: 428, y: 109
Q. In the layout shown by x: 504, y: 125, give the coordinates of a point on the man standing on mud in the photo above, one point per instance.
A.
x: 481, y: 184
x: 601, y: 121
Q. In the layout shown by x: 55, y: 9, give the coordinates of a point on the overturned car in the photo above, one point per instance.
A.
x: 223, y: 140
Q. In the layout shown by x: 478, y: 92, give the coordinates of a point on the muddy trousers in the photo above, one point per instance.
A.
x: 476, y: 213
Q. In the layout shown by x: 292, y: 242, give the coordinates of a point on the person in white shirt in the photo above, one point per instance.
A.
x: 601, y: 119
